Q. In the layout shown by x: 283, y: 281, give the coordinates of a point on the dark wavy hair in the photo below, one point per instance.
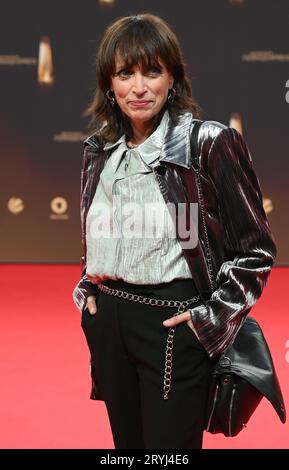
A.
x: 140, y: 40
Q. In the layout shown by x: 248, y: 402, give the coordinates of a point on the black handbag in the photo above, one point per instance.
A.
x: 245, y: 372
x: 241, y: 377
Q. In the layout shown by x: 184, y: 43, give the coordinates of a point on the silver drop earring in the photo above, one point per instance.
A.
x: 109, y: 97
x: 171, y: 95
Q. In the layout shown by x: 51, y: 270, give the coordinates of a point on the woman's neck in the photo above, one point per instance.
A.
x: 141, y: 132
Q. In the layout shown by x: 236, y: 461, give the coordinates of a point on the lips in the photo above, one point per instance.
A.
x: 139, y: 103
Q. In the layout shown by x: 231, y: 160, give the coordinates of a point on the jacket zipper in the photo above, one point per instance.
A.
x: 213, y: 407
x: 231, y: 411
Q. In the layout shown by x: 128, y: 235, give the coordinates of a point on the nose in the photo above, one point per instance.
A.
x: 139, y: 84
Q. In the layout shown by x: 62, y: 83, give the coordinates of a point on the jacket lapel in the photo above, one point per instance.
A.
x: 176, y: 147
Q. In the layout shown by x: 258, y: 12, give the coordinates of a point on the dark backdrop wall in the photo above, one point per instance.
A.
x: 237, y: 54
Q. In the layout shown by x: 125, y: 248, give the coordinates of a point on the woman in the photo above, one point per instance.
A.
x: 153, y: 320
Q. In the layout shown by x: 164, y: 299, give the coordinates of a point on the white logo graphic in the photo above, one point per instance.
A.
x: 59, y: 207
x: 149, y: 220
x: 15, y: 205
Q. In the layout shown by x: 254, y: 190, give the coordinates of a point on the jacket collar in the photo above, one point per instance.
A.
x: 149, y: 150
x: 176, y: 146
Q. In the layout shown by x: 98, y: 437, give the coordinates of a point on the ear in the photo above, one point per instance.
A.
x: 171, y: 82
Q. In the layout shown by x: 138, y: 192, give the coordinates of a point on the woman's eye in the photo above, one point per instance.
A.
x: 154, y: 71
x: 123, y: 73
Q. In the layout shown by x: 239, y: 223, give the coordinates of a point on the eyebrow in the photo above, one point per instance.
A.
x: 124, y: 66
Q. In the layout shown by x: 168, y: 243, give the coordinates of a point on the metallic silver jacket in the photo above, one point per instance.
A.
x: 241, y: 242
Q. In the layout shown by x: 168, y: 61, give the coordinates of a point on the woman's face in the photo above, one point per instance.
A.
x: 141, y: 94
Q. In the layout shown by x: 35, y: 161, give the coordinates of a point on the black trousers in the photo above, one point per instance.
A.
x: 127, y: 342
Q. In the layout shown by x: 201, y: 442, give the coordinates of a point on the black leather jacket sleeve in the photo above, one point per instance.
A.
x: 84, y: 288
x: 248, y: 243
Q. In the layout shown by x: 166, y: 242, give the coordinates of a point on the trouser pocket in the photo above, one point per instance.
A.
x: 188, y: 331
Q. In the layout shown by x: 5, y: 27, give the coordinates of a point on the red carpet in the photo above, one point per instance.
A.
x: 44, y: 365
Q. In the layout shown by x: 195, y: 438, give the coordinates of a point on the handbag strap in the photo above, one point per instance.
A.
x: 196, y: 165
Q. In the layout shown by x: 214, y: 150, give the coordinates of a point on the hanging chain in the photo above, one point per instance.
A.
x: 145, y: 300
x: 181, y: 305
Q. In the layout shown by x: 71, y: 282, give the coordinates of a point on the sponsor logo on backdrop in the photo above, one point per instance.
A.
x: 70, y: 136
x: 59, y: 206
x: 45, y: 63
x: 287, y: 92
x: 264, y: 56
x: 6, y: 59
x: 108, y: 3
x: 268, y: 205
x: 236, y: 122
x: 15, y: 205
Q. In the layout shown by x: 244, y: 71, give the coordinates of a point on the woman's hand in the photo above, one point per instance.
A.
x: 91, y: 304
x: 185, y: 316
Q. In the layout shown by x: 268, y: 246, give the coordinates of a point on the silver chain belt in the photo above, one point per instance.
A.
x: 181, y: 305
